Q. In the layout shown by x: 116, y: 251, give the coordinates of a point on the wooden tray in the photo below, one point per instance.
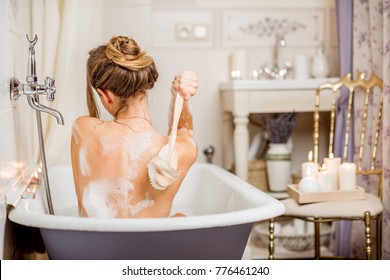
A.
x: 302, y: 197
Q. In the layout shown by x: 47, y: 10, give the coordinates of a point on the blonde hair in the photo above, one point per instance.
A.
x: 121, y: 67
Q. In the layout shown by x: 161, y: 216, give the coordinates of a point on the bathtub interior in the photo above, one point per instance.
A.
x: 63, y: 193
x: 206, y: 190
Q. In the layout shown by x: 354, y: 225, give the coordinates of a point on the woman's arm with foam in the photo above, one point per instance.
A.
x: 185, y: 83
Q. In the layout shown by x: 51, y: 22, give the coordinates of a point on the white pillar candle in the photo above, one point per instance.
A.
x: 347, y: 176
x: 325, y: 178
x: 301, y: 67
x: 332, y: 164
x: 309, y: 184
x: 309, y: 168
x: 238, y: 65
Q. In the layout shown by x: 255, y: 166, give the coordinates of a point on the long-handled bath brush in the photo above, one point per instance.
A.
x: 162, y: 169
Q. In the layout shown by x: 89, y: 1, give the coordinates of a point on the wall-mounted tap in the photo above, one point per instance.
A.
x: 275, y: 71
x: 32, y: 90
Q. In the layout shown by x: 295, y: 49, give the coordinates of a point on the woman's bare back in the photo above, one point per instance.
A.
x: 112, y: 159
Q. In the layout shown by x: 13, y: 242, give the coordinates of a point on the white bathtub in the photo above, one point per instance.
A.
x: 221, y: 209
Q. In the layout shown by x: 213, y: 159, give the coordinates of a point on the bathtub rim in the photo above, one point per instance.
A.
x: 25, y: 214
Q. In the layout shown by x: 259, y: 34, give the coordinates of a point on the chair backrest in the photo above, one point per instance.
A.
x: 353, y: 86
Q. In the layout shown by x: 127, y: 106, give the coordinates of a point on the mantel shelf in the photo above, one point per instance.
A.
x: 240, y: 98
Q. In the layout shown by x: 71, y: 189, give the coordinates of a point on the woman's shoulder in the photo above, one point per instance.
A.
x: 84, y: 124
x: 86, y: 121
x: 188, y: 149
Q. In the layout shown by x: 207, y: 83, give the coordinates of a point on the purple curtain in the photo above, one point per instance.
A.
x: 344, y: 13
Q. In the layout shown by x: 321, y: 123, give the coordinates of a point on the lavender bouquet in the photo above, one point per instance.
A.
x: 279, y: 126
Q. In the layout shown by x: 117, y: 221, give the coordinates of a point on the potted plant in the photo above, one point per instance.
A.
x: 278, y: 128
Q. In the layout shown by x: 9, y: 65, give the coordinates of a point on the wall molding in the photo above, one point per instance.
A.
x: 259, y: 27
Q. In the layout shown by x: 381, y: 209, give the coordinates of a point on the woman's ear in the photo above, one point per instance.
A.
x: 104, y: 96
x: 108, y: 100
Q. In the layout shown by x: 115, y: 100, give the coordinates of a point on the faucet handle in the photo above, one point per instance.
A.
x: 50, y: 88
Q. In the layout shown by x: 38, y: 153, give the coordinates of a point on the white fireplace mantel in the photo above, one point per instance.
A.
x: 243, y: 97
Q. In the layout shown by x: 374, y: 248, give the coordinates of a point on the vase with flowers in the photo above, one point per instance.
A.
x: 278, y: 158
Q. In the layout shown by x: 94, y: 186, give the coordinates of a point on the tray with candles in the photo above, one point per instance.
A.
x: 333, y: 181
x: 310, y: 197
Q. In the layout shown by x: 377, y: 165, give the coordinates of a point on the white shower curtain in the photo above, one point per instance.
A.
x: 67, y: 30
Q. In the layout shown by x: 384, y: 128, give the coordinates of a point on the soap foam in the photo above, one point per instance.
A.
x: 95, y: 200
x: 192, y: 142
x: 76, y: 133
x: 104, y: 197
x: 83, y: 162
x: 135, y: 148
x: 109, y: 144
x: 141, y: 206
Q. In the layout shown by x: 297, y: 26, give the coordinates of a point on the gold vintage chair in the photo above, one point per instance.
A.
x: 368, y: 209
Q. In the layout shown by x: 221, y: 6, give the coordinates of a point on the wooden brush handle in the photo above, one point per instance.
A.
x: 176, y: 115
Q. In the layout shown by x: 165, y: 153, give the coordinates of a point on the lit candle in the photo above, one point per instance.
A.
x: 235, y: 75
x: 325, y: 178
x: 309, y: 165
x: 309, y: 183
x: 347, y: 176
x: 332, y: 164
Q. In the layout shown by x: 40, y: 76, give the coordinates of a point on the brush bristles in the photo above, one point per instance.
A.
x: 161, y: 173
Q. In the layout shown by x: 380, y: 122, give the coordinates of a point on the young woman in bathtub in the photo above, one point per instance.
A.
x: 110, y: 158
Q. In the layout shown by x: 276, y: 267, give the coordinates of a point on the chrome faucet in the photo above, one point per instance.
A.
x: 275, y: 72
x: 32, y: 89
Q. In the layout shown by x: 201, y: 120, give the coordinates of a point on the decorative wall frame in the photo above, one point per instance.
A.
x: 242, y: 28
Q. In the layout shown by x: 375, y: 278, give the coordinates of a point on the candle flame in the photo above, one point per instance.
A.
x: 323, y: 168
x: 310, y: 157
x: 331, y: 155
x: 235, y: 74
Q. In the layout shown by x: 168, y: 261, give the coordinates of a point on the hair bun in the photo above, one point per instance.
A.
x: 125, y: 52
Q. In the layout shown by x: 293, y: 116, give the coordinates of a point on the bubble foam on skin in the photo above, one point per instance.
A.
x: 142, y: 205
x: 109, y: 144
x: 83, y: 162
x: 191, y: 141
x: 136, y: 147
x: 103, y: 198
x: 76, y: 133
x: 95, y: 200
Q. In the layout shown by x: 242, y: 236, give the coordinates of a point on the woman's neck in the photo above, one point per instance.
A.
x: 137, y: 107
